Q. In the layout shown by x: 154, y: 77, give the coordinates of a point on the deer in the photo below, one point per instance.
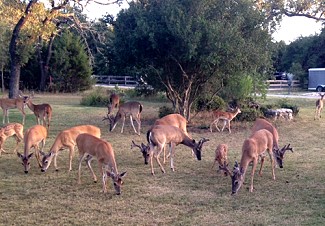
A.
x: 66, y: 139
x: 227, y: 117
x: 278, y: 153
x: 161, y: 135
x: 33, y: 136
x: 131, y: 109
x: 253, y: 147
x: 11, y: 129
x: 221, y: 156
x: 114, y: 102
x: 91, y: 147
x: 19, y: 103
x: 43, y: 112
x: 319, y: 106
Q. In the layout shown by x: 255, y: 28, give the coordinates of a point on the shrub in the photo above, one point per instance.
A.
x: 205, y: 104
x: 164, y: 110
x: 249, y: 114
x: 96, y: 98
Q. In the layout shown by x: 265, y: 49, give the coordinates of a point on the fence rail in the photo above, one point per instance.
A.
x: 115, y: 80
x: 282, y: 84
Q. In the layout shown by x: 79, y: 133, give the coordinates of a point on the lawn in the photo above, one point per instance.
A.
x: 192, y: 195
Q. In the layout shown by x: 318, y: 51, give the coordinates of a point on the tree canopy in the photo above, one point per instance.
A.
x: 182, y: 46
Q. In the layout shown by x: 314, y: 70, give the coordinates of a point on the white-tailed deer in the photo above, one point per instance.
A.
x: 132, y: 109
x: 161, y: 135
x: 33, y: 136
x: 91, y: 146
x: 176, y: 120
x: 145, y: 150
x: 226, y: 117
x: 19, y: 103
x: 319, y: 107
x: 43, y: 112
x: 253, y: 147
x: 221, y: 156
x: 11, y: 129
x: 114, y: 102
x: 278, y: 153
x: 66, y: 139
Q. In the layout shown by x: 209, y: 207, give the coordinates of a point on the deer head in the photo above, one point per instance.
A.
x: 144, y: 150
x: 279, y: 154
x: 237, y: 178
x: 198, y: 147
x: 117, y: 180
x: 25, y: 161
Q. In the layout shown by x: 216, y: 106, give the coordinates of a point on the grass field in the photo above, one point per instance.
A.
x: 192, y: 195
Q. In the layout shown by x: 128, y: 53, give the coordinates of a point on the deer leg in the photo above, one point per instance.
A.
x: 88, y: 162
x: 157, y: 158
x: 262, y: 162
x: 131, y: 119
x: 229, y: 126
x: 224, y: 125
x: 252, y: 174
x: 123, y: 124
x: 272, y: 164
x: 172, y: 153
x: 137, y: 119
x: 104, y: 176
x: 71, y: 149
x: 151, y: 162
x: 6, y: 115
x: 81, y: 156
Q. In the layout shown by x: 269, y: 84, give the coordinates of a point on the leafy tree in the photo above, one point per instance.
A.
x: 183, y: 46
x: 70, y: 68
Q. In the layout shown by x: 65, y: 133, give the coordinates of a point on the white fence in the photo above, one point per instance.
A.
x: 115, y: 80
x: 282, y: 84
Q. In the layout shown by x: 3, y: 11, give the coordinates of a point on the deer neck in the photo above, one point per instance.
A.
x: 188, y: 142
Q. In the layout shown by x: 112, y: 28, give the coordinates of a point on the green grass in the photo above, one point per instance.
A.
x: 192, y: 195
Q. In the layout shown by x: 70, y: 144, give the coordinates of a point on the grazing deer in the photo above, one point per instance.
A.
x: 278, y: 153
x: 91, y: 146
x: 114, y: 102
x: 11, y: 129
x: 225, y: 116
x: 319, y: 106
x: 43, y: 112
x: 161, y: 135
x: 19, y: 103
x: 33, y: 136
x: 131, y: 109
x: 253, y: 147
x: 221, y: 156
x: 66, y: 139
x: 145, y: 150
x: 176, y: 120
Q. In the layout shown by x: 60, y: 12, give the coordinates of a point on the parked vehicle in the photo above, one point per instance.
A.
x: 316, y: 80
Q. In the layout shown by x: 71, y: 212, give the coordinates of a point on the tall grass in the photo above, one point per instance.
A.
x: 192, y: 195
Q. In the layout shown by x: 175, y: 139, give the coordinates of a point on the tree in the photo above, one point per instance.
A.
x: 181, y: 46
x: 70, y: 68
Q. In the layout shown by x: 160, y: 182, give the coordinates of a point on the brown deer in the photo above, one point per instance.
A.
x: 253, y: 147
x: 19, y: 103
x: 319, y: 107
x: 33, y: 136
x: 132, y: 109
x: 114, y: 102
x: 90, y: 146
x: 11, y: 129
x: 161, y: 135
x: 221, y: 156
x: 226, y: 117
x: 278, y: 153
x: 66, y: 139
x: 43, y: 112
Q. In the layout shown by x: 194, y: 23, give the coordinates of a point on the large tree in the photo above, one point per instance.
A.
x: 180, y: 46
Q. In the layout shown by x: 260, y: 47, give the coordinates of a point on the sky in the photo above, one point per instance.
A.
x: 290, y: 29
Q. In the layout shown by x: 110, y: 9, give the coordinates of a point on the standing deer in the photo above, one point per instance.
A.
x: 43, y: 112
x: 66, y: 139
x: 253, y: 147
x: 114, y: 102
x: 131, y: 109
x: 161, y: 135
x: 19, y: 103
x: 33, y: 136
x: 91, y: 146
x: 278, y: 153
x: 11, y: 129
x: 319, y: 107
x: 227, y: 117
x: 221, y: 156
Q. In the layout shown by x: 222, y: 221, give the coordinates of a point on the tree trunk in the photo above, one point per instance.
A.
x: 2, y: 82
x: 15, y: 62
x: 45, y: 67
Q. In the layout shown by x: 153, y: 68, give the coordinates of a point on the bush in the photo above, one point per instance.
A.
x: 164, y: 110
x: 205, y: 104
x: 249, y: 114
x: 96, y: 98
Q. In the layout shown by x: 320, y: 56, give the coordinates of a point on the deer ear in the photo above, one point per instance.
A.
x: 123, y: 174
x: 19, y: 155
